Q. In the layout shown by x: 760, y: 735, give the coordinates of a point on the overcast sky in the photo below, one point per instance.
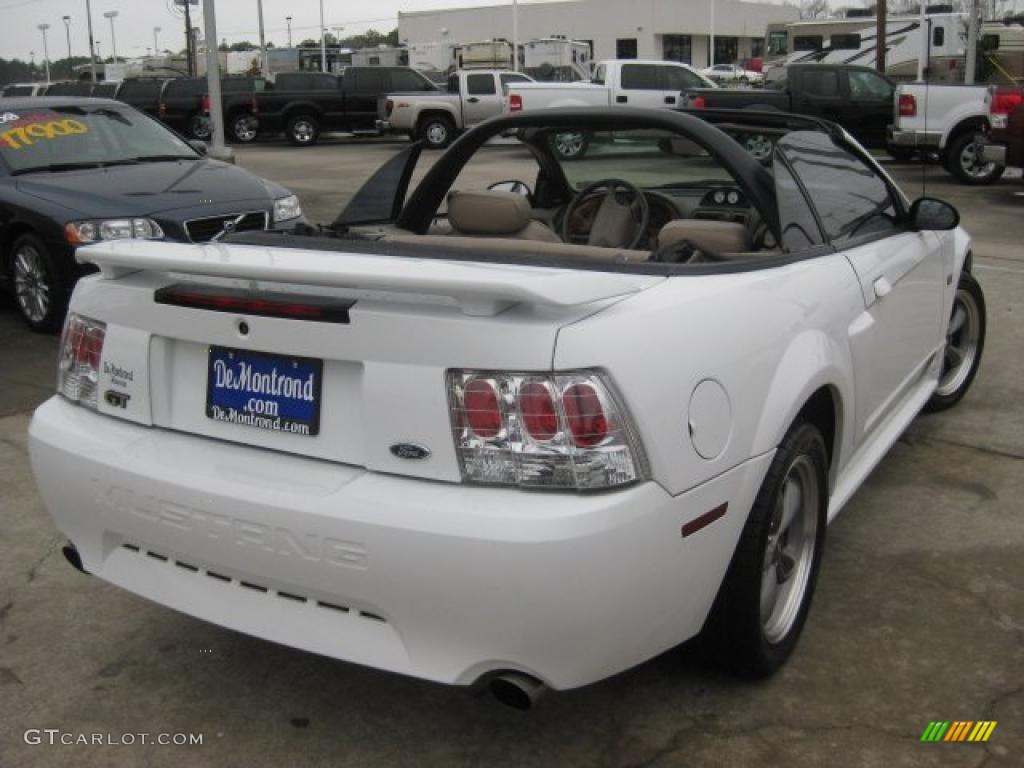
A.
x: 236, y: 20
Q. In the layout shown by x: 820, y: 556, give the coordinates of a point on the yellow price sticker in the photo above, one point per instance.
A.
x: 26, y: 135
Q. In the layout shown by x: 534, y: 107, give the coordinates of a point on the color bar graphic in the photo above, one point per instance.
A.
x: 958, y: 730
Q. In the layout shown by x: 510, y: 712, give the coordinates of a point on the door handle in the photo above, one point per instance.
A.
x: 670, y: 99
x: 472, y: 99
x: 620, y: 99
x: 882, y: 287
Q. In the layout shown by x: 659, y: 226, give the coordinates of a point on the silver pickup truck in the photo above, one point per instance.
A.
x: 436, y: 118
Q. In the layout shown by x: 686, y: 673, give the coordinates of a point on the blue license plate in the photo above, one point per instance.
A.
x: 256, y: 389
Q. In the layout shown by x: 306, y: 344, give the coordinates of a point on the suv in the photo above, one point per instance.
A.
x: 184, y: 105
x: 143, y: 94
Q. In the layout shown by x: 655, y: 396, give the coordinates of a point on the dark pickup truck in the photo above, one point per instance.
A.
x: 857, y: 98
x: 305, y: 104
x: 185, y: 103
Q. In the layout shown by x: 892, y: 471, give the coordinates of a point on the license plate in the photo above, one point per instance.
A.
x: 256, y: 389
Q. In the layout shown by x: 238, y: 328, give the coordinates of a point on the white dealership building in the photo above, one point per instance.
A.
x: 676, y: 30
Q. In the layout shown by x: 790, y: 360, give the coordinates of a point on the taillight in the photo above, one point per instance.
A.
x: 206, y: 104
x: 566, y: 430
x: 908, y: 105
x: 78, y: 368
x: 1005, y: 101
x: 698, y: 102
x: 254, y: 106
x: 515, y: 103
x: 162, y: 110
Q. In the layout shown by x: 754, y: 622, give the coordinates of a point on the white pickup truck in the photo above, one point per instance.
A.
x: 436, y: 117
x: 936, y: 117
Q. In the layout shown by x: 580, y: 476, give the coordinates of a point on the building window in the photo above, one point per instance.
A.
x: 727, y: 50
x: 778, y: 42
x: 757, y: 48
x: 625, y: 48
x: 808, y: 43
x: 676, y: 48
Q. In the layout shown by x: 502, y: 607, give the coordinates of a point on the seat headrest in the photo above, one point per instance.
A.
x: 488, y: 213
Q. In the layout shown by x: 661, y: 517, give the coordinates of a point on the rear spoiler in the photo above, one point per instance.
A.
x: 482, y: 289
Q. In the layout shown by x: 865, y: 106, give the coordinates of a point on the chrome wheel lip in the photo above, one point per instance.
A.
x: 31, y: 287
x: 790, y: 549
x: 970, y: 165
x: 962, y: 336
x: 569, y: 144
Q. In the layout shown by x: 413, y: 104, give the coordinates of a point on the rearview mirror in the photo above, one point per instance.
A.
x: 927, y: 213
x: 518, y: 187
x: 199, y: 146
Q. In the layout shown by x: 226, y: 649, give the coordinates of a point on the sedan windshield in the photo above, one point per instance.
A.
x: 44, y: 139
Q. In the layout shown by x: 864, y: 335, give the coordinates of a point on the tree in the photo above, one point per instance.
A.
x: 815, y: 9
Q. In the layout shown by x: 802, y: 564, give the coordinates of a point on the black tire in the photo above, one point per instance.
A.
x: 436, y: 131
x: 40, y: 287
x: 901, y: 154
x: 958, y: 153
x: 965, y: 341
x: 759, y: 146
x: 571, y: 145
x: 199, y: 127
x: 243, y: 128
x: 303, y: 130
x: 736, y: 633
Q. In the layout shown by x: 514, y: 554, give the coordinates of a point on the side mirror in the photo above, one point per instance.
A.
x: 199, y: 146
x: 518, y: 187
x: 927, y: 213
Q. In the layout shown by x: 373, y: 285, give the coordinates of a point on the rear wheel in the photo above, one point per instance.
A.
x: 963, y: 162
x: 436, y: 131
x: 764, y: 599
x: 965, y: 340
x: 571, y: 145
x: 39, y: 292
x: 243, y: 128
x: 303, y: 130
x: 199, y: 127
x: 759, y: 146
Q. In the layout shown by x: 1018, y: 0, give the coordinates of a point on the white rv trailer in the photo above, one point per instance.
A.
x: 487, y: 54
x: 432, y: 57
x: 558, y: 59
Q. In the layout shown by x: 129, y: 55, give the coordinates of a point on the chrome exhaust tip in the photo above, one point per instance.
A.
x: 517, y: 690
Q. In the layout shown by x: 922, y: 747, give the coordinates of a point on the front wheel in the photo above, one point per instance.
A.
x: 436, y: 131
x: 764, y: 599
x: 963, y: 162
x: 570, y: 145
x: 965, y: 340
x: 199, y: 127
x: 39, y: 292
x: 759, y: 146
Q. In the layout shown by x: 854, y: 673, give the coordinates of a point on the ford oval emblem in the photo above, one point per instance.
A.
x: 413, y: 451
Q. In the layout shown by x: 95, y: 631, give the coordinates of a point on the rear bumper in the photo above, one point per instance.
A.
x: 992, y: 153
x: 383, y: 126
x: 436, y: 580
x: 915, y: 138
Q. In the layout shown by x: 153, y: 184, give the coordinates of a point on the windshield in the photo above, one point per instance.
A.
x: 61, y: 138
x: 649, y: 159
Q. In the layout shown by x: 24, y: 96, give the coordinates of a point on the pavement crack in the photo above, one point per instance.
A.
x: 971, y: 447
x: 52, y: 548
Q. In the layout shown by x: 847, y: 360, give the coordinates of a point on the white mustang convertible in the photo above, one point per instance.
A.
x: 525, y: 433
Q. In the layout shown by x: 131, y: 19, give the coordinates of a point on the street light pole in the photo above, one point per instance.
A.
x: 67, y: 31
x: 711, y: 38
x: 515, y: 35
x: 113, y: 39
x: 263, y: 40
x: 218, y: 149
x: 46, y: 51
x: 323, y: 41
x: 288, y: 19
x: 156, y: 47
x: 92, y: 45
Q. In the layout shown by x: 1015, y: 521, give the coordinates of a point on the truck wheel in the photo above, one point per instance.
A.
x: 437, y: 131
x: 199, y: 127
x: 570, y: 146
x: 764, y: 599
x: 963, y: 162
x: 965, y: 340
x: 243, y: 128
x: 303, y: 130
x: 39, y: 290
x: 759, y: 146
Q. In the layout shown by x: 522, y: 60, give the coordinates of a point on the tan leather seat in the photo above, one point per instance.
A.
x: 714, y: 236
x: 495, y: 214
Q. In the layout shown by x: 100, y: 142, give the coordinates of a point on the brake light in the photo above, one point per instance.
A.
x: 1005, y: 101
x: 698, y: 102
x: 78, y: 367
x: 566, y: 430
x: 515, y: 103
x: 289, y: 306
x: 162, y: 110
x: 480, y: 405
x: 206, y: 103
x: 908, y: 105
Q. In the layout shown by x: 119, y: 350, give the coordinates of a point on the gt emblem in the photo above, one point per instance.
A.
x: 410, y: 451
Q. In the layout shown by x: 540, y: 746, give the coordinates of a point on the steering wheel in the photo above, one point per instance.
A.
x: 615, y: 225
